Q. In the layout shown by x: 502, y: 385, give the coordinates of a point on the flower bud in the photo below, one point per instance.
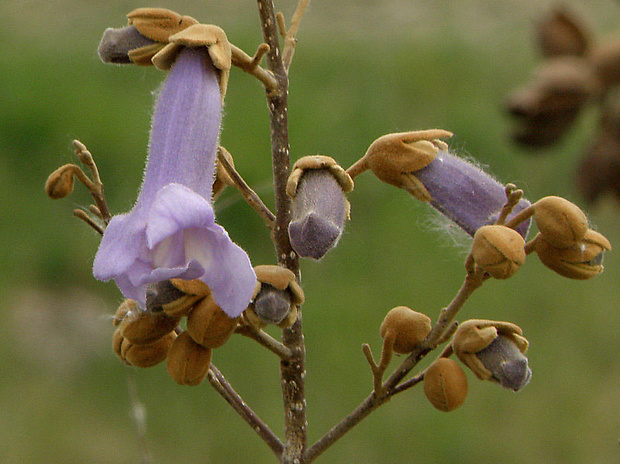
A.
x: 498, y: 250
x: 60, y: 183
x: 117, y: 44
x: 165, y: 296
x: 561, y: 222
x: 506, y: 362
x: 320, y: 209
x: 142, y: 327
x: 125, y: 307
x: 445, y: 384
x: 409, y: 328
x: 581, y: 261
x: 493, y: 351
x: 187, y: 361
x: 147, y: 355
x: 117, y: 344
x: 276, y: 298
x: 208, y: 325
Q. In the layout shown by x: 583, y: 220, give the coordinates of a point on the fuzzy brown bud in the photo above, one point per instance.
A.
x: 60, y: 183
x: 125, y: 307
x: 581, y: 261
x: 165, y: 296
x: 147, y: 355
x: 142, y: 327
x: 208, y: 325
x: 445, y: 384
x: 188, y: 362
x: 561, y: 222
x: 408, y: 327
x: 498, y: 250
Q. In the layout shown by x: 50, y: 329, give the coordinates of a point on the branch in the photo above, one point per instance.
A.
x: 221, y: 385
x: 265, y: 340
x: 251, y: 65
x: 249, y: 195
x: 290, y: 36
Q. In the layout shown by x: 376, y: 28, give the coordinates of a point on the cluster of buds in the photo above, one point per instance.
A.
x: 576, y: 71
x: 145, y: 337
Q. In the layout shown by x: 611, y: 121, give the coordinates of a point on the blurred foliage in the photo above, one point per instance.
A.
x: 362, y: 69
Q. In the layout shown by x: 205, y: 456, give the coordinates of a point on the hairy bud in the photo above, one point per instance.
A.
x: 476, y: 344
x: 147, y: 355
x: 208, y: 325
x: 317, y: 185
x: 60, y: 183
x: 498, y: 250
x: 188, y: 362
x: 581, y: 261
x: 276, y: 298
x: 408, y: 327
x: 117, y: 44
x: 142, y: 327
x: 561, y: 222
x: 166, y: 296
x: 445, y: 385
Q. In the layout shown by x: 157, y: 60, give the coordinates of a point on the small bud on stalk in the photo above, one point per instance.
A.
x: 498, y: 250
x: 493, y: 351
x: 408, y: 327
x: 445, y: 385
x: 142, y: 327
x: 60, y: 183
x: 208, y: 325
x: 187, y: 361
x: 561, y: 222
x: 317, y: 186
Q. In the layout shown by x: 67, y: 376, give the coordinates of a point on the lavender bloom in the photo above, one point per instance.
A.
x: 465, y: 194
x: 171, y: 231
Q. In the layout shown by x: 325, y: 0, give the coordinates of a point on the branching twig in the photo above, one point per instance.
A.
x: 265, y: 340
x: 96, y: 186
x: 248, y: 194
x: 83, y: 215
x: 251, y: 65
x: 290, y: 35
x: 221, y: 385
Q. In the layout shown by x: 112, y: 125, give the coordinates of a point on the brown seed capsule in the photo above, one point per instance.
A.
x: 208, y: 325
x: 561, y: 222
x: 147, y: 355
x: 409, y: 327
x: 143, y: 327
x: 498, y: 250
x: 445, y: 385
x: 188, y: 362
x: 60, y: 183
x: 581, y: 261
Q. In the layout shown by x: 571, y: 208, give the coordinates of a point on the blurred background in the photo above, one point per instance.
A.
x: 361, y: 69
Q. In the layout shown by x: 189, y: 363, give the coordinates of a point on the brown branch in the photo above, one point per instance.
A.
x: 251, y: 65
x: 293, y: 371
x: 290, y: 36
x: 221, y: 385
x: 83, y: 215
x: 249, y: 195
x: 265, y: 340
x: 96, y: 186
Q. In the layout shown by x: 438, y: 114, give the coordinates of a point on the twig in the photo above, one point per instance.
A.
x: 221, y: 385
x: 83, y: 215
x: 513, y: 196
x: 96, y: 186
x: 248, y: 194
x: 265, y: 340
x: 251, y: 65
x: 290, y: 36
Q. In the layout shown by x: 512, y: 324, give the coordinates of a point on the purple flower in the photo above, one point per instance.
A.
x: 466, y: 194
x: 171, y: 231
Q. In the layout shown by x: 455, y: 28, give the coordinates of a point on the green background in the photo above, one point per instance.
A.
x: 361, y: 69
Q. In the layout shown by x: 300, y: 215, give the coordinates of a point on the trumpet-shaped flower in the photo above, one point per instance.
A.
x: 171, y: 231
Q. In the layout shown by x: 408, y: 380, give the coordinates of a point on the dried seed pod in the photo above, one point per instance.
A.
x: 409, y: 327
x: 501, y: 360
x: 60, y: 183
x: 561, y: 222
x: 142, y: 327
x: 498, y: 250
x: 147, y: 355
x: 581, y: 261
x: 317, y: 185
x: 445, y: 384
x: 562, y: 33
x: 276, y: 298
x: 187, y: 361
x: 208, y: 325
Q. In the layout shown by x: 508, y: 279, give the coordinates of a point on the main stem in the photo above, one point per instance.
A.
x: 292, y: 371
